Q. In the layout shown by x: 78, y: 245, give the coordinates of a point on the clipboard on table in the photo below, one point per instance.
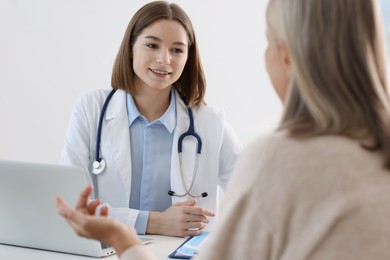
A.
x: 189, y: 247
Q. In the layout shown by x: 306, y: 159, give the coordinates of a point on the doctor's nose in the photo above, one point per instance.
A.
x: 164, y: 57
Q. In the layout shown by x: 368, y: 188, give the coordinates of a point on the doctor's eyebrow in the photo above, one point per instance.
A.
x: 159, y: 40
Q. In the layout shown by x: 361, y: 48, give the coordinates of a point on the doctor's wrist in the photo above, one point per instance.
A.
x: 153, y: 227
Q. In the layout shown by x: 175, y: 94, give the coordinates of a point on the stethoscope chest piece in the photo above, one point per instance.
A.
x: 98, y: 167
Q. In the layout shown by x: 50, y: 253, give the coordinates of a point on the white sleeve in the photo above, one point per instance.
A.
x: 230, y: 150
x: 126, y: 216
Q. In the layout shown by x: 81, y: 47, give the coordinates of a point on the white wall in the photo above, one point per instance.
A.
x: 51, y: 50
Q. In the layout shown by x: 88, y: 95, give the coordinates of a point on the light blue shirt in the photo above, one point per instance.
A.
x: 151, y: 149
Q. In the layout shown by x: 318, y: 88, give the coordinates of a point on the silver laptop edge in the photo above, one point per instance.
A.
x: 28, y: 216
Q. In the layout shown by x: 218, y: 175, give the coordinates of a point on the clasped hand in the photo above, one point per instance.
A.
x: 181, y: 219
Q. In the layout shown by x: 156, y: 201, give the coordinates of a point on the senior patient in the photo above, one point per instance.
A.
x: 319, y: 186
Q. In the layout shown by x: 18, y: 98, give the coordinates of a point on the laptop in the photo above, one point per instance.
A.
x: 28, y: 215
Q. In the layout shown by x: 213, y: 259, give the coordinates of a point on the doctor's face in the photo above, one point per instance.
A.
x: 159, y: 55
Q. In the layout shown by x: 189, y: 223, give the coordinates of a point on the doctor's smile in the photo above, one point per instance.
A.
x: 160, y: 73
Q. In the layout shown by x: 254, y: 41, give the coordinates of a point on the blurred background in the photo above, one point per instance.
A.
x: 385, y: 6
x: 52, y: 50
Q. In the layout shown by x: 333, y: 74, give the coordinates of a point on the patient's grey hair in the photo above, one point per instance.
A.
x: 338, y: 83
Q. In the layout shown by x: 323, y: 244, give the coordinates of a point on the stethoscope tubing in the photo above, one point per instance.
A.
x: 99, y: 164
x: 190, y: 132
x: 100, y: 125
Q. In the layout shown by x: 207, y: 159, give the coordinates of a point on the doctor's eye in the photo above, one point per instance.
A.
x: 152, y: 46
x: 177, y: 50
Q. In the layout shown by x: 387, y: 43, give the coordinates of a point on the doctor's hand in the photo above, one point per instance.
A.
x: 102, y: 228
x: 181, y: 219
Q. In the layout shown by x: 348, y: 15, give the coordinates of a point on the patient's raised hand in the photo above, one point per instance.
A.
x: 102, y: 228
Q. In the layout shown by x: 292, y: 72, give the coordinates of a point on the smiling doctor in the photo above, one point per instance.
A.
x: 154, y: 151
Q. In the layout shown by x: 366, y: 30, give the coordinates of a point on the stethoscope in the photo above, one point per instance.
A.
x: 99, y: 164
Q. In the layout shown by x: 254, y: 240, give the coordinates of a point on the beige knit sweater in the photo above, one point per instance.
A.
x: 318, y: 198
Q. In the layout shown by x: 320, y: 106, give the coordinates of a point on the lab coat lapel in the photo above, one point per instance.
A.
x: 117, y: 130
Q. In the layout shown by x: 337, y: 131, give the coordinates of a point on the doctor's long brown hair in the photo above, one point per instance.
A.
x: 192, y: 83
x: 338, y: 83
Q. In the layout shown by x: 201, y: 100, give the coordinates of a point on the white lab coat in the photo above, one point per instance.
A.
x: 219, y: 152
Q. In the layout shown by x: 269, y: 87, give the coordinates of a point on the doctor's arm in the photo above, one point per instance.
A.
x: 180, y: 220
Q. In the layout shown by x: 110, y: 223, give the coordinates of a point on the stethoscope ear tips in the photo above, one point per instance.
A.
x: 98, y: 167
x: 202, y: 195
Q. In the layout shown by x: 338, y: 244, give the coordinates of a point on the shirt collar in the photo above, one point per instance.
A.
x: 168, y: 119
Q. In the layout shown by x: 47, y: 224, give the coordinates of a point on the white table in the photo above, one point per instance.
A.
x: 161, y: 247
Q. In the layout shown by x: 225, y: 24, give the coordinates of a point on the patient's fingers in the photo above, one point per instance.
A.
x: 83, y: 198
x: 62, y: 207
x: 104, y: 211
x: 75, y: 219
x: 91, y: 208
x: 61, y: 204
